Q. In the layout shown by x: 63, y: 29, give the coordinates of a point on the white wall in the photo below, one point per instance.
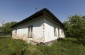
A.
x: 22, y: 30
x: 62, y: 35
x: 49, y: 30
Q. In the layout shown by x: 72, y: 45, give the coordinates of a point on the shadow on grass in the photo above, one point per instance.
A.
x: 80, y: 41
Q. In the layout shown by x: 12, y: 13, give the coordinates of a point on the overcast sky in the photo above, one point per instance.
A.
x: 16, y: 10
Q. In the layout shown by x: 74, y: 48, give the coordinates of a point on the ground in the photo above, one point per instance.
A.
x: 67, y: 46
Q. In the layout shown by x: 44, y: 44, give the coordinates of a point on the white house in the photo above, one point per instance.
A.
x: 41, y: 27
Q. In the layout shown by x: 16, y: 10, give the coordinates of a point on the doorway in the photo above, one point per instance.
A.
x: 30, y: 31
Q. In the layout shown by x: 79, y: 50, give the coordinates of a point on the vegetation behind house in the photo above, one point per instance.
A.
x: 75, y: 26
x: 5, y: 29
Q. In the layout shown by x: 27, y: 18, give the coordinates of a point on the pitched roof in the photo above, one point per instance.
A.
x: 39, y: 13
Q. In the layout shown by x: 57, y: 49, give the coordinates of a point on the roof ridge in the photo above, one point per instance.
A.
x: 36, y: 14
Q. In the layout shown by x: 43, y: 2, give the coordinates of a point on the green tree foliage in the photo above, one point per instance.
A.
x: 0, y: 28
x: 75, y: 26
x: 6, y: 27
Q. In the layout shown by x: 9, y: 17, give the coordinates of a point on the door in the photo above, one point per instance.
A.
x: 30, y: 31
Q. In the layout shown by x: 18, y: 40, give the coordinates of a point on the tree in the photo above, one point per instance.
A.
x: 83, y: 17
x: 6, y: 27
x: 75, y: 26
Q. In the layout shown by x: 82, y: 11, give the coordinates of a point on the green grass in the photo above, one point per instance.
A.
x: 10, y: 46
x: 67, y: 46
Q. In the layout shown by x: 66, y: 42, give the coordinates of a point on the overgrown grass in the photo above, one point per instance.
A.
x: 10, y: 46
x: 67, y: 46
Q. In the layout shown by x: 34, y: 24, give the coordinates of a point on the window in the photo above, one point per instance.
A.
x: 16, y: 32
x: 30, y: 31
x: 55, y: 33
x: 62, y: 32
x: 58, y: 32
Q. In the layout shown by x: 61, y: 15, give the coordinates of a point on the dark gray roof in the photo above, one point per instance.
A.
x: 39, y: 13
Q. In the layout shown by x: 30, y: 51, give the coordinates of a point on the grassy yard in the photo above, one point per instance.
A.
x: 67, y: 46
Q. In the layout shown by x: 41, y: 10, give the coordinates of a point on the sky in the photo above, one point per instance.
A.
x: 17, y: 10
